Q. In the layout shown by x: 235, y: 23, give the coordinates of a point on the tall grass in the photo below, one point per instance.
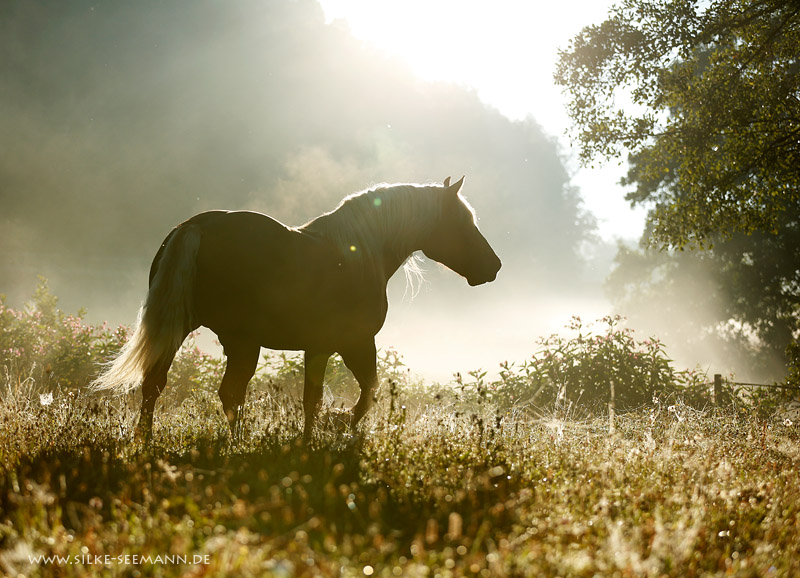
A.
x: 429, y: 491
x: 443, y: 481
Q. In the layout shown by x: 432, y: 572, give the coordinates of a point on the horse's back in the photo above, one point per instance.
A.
x: 246, y: 226
x: 258, y: 278
x: 242, y: 253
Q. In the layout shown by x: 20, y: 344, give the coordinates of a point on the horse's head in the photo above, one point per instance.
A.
x: 456, y: 241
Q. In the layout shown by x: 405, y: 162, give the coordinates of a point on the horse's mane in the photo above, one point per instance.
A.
x: 392, y: 217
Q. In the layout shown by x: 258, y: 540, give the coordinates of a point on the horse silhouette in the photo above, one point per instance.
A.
x: 319, y: 288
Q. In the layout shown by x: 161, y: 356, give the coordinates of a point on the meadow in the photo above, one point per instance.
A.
x: 523, y: 475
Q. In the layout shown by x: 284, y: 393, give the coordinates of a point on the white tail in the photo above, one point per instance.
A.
x: 165, y: 318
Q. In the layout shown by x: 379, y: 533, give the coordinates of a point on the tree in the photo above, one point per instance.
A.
x: 728, y: 307
x: 706, y: 97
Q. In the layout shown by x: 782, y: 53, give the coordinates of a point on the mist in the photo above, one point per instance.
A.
x: 123, y: 119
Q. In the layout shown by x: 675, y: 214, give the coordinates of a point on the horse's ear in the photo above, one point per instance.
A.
x: 455, y: 187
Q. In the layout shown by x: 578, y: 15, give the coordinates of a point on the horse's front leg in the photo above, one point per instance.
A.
x: 241, y: 365
x: 312, y: 389
x: 361, y: 361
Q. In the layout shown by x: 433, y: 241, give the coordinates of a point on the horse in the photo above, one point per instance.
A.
x: 318, y: 288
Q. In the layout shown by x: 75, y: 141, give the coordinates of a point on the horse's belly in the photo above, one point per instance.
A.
x: 287, y: 323
x: 271, y: 310
x: 287, y: 309
x: 258, y: 280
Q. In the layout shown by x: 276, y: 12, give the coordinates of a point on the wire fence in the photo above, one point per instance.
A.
x: 720, y: 383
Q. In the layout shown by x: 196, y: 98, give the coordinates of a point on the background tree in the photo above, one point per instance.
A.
x: 707, y: 96
x: 706, y: 99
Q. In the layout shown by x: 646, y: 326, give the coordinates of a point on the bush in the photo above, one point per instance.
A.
x: 43, y: 349
x: 41, y: 345
x: 580, y: 370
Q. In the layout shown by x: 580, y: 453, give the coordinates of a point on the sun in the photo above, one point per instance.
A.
x: 505, y: 49
x: 411, y: 30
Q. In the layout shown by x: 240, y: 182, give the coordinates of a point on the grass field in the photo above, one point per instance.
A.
x: 478, y: 477
x: 429, y: 490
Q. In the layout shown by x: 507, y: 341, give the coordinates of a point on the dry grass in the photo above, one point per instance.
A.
x: 426, y: 492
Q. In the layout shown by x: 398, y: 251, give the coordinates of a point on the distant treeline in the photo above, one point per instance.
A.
x: 124, y: 118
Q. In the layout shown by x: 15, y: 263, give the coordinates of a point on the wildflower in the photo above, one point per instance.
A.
x: 787, y: 422
x: 46, y: 398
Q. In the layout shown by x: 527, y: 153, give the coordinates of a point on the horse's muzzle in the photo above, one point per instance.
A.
x: 476, y: 282
x: 487, y: 277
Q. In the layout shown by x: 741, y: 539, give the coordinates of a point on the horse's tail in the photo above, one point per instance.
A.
x: 166, y: 317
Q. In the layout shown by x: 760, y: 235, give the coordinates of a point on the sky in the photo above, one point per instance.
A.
x: 509, y: 63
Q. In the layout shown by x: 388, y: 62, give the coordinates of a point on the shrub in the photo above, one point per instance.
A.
x: 580, y: 370
x: 43, y: 349
x: 44, y: 345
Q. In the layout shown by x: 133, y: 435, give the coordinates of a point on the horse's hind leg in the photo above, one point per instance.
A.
x: 242, y: 361
x: 154, y: 381
x: 312, y: 389
x: 361, y: 361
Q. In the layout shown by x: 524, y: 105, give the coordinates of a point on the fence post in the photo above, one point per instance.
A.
x: 611, y: 407
x: 717, y: 389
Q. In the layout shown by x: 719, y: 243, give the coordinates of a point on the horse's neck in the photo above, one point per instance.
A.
x: 389, y: 246
x: 392, y: 260
x: 398, y: 245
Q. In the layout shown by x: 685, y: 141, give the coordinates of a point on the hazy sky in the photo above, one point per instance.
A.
x: 506, y: 50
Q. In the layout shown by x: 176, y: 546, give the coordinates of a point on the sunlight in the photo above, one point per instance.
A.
x: 505, y: 50
x: 413, y: 30
x: 495, y: 48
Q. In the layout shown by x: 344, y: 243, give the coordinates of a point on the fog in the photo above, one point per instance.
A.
x: 122, y: 119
